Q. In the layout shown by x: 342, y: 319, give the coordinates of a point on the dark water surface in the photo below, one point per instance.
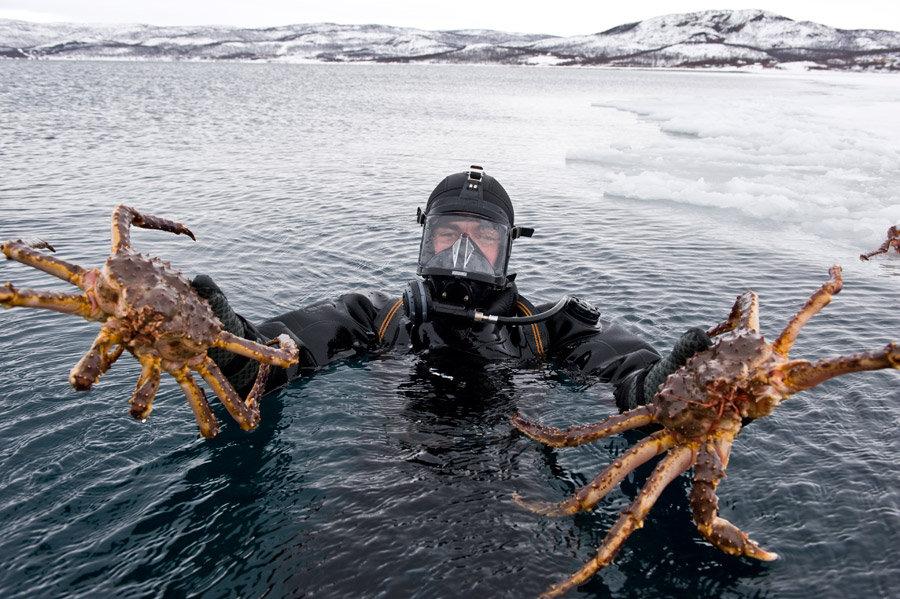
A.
x: 384, y: 478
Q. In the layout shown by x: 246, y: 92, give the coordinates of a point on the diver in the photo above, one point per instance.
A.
x: 465, y: 304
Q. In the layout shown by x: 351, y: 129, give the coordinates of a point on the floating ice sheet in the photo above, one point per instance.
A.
x: 821, y: 158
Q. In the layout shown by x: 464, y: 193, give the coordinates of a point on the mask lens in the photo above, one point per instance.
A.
x: 464, y: 243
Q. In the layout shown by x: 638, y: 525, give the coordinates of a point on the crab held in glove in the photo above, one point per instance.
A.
x: 700, y: 408
x: 150, y: 310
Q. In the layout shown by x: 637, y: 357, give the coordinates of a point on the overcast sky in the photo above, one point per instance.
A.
x: 557, y: 17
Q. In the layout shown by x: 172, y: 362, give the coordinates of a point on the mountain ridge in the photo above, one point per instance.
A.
x: 714, y: 38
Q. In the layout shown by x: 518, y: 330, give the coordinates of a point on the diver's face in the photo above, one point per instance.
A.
x: 486, y: 237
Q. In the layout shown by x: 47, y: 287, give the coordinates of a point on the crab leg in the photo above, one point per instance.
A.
x: 709, y: 470
x: 146, y: 388
x: 10, y: 297
x: 588, y: 496
x: 801, y: 374
x: 677, y: 462
x: 206, y: 420
x: 892, y: 236
x: 284, y: 356
x: 883, y: 248
x: 744, y: 314
x: 814, y: 304
x: 578, y: 435
x: 22, y: 252
x: 97, y: 360
x: 125, y: 216
x: 246, y: 412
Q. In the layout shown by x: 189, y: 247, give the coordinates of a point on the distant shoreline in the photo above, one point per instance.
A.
x: 736, y: 70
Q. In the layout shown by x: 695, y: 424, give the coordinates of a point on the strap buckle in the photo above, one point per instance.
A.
x: 522, y: 232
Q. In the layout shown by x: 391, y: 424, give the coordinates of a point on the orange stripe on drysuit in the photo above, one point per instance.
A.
x: 535, y: 330
x: 387, y: 319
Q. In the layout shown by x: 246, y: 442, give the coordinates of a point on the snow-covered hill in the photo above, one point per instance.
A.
x: 699, y: 39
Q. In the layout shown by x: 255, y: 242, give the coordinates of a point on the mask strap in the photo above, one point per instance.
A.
x: 522, y: 232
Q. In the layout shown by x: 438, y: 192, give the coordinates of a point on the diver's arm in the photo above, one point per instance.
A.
x: 612, y: 354
x: 616, y: 356
x: 239, y: 370
x: 324, y: 332
x: 604, y: 350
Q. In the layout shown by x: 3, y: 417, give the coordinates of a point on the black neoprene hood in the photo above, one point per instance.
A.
x: 494, y: 203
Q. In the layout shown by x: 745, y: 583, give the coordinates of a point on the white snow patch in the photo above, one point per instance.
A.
x: 799, y: 66
x: 547, y: 60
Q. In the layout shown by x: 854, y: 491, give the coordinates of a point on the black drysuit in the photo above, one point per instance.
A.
x: 355, y: 324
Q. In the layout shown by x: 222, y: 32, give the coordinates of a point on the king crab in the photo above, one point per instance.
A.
x: 153, y: 312
x: 892, y: 241
x: 700, y: 408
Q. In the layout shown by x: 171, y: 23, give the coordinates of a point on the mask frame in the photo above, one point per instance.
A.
x: 462, y: 245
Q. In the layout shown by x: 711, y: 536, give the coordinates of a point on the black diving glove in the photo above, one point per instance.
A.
x: 641, y: 388
x: 240, y: 371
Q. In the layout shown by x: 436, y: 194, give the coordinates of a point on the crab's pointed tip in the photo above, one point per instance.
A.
x: 249, y: 425
x: 80, y: 382
x: 542, y: 508
x: 520, y: 501
x: 893, y: 355
x: 519, y: 421
x: 140, y: 412
x: 762, y: 555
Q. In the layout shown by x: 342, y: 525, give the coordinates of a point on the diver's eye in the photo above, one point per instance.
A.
x: 487, y: 234
x: 446, y: 234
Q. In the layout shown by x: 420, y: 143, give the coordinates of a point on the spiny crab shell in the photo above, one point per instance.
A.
x: 157, y: 306
x: 722, y: 375
x: 149, y: 309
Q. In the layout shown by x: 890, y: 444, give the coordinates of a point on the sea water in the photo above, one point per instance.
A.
x: 658, y: 196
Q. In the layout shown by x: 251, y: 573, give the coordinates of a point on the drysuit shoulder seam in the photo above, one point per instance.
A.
x: 387, y: 318
x: 538, y: 331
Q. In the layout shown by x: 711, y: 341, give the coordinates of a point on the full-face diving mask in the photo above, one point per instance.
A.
x: 467, y: 234
x: 466, y: 242
x: 464, y: 245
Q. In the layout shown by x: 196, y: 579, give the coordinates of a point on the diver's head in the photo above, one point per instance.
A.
x: 468, y: 228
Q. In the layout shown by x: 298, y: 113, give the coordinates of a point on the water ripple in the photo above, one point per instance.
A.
x: 301, y: 183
